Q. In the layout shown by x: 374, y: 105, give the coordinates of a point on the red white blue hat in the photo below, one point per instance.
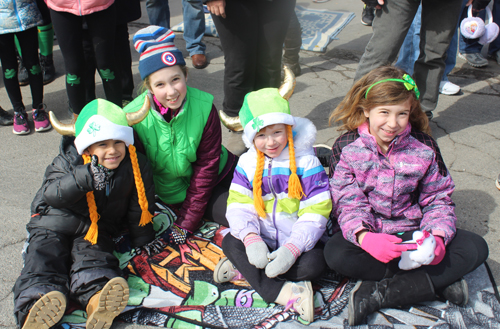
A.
x: 155, y: 45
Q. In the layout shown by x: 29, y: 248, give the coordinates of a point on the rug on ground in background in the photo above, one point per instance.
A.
x: 319, y: 27
x: 175, y: 289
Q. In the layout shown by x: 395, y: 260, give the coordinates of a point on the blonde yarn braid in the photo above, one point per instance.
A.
x: 146, y: 216
x: 257, y: 185
x: 294, y: 187
x: 91, y: 235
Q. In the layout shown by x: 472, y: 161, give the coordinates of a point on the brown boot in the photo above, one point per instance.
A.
x: 107, y: 304
x: 46, y: 312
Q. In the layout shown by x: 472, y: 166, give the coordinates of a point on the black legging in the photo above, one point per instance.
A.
x: 464, y: 254
x: 28, y: 40
x: 309, y: 266
x: 101, y: 27
x: 252, y: 36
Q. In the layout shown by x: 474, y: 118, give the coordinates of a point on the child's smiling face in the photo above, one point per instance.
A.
x: 169, y: 86
x: 110, y: 152
x: 271, y: 140
x: 388, y: 121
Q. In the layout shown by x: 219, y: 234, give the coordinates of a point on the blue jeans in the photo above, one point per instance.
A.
x: 408, y: 54
x: 194, y: 26
x: 158, y: 12
x: 495, y: 45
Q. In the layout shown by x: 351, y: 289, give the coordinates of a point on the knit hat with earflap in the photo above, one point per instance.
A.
x: 101, y: 120
x: 156, y: 48
x: 263, y: 108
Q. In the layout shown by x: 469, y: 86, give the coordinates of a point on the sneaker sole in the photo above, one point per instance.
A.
x: 443, y: 92
x: 112, y: 301
x: 223, y: 277
x: 366, y: 24
x: 21, y: 132
x: 43, y: 128
x: 350, y: 308
x: 497, y: 183
x: 471, y: 64
x: 309, y: 317
x: 46, y: 312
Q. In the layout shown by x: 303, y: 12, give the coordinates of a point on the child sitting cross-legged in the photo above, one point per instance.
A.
x: 94, y: 189
x: 278, y: 206
x: 390, y: 185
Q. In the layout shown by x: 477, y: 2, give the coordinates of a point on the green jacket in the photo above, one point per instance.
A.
x: 172, y: 147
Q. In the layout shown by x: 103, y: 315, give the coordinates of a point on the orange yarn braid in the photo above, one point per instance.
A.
x: 91, y: 235
x: 294, y: 187
x: 257, y: 185
x: 146, y: 216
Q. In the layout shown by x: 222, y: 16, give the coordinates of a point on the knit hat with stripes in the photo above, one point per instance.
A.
x: 156, y: 48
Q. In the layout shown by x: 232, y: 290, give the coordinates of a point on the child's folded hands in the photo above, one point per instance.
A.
x: 281, y: 260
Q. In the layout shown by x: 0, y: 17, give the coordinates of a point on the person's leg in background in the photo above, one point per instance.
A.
x: 102, y: 27
x: 158, y: 12
x: 408, y: 53
x: 383, y: 47
x: 494, y: 47
x: 194, y: 29
x: 46, y: 43
x: 293, y: 42
x: 28, y: 40
x: 68, y: 29
x: 239, y: 43
x: 274, y: 19
x: 439, y: 21
x: 8, y: 58
x: 470, y: 49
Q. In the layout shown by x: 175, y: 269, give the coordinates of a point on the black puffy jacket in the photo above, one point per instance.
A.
x: 61, y: 205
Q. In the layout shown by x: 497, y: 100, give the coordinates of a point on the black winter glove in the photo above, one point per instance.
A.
x: 371, y: 3
x: 100, y: 174
x: 176, y: 235
x: 154, y: 247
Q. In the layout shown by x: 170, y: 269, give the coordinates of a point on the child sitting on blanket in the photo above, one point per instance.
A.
x: 91, y: 191
x: 181, y: 136
x: 388, y: 180
x: 278, y: 206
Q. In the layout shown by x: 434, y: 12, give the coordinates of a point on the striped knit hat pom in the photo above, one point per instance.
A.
x: 156, y: 48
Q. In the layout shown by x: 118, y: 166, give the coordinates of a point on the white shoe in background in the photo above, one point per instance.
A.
x: 448, y: 88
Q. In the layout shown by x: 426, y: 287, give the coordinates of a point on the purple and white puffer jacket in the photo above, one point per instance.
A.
x: 408, y: 188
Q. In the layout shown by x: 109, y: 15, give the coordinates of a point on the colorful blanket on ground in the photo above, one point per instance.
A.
x: 175, y: 289
x: 319, y: 26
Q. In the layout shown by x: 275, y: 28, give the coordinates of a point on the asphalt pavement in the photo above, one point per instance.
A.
x: 466, y: 127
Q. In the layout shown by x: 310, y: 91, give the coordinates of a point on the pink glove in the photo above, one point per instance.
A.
x: 383, y: 247
x: 440, y: 250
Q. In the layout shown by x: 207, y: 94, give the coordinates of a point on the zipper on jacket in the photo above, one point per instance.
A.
x: 18, y: 17
x: 271, y: 187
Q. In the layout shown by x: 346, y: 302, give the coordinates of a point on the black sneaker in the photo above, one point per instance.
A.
x: 48, y: 69
x: 368, y: 15
x: 6, y: 119
x: 22, y: 73
x: 323, y: 153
